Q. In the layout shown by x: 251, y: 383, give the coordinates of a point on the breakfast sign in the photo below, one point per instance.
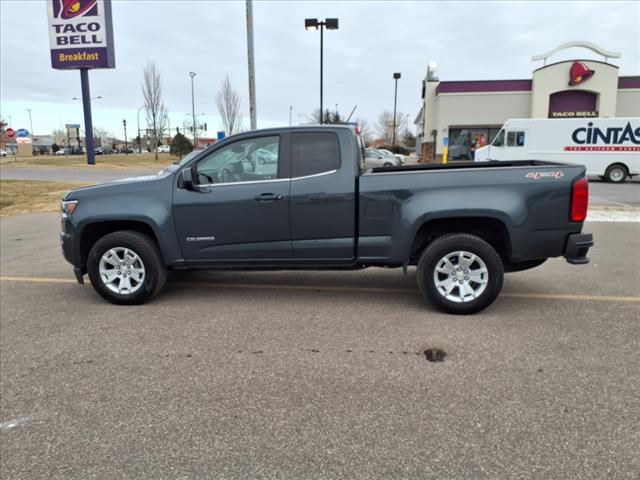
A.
x: 81, y: 37
x: 80, y: 34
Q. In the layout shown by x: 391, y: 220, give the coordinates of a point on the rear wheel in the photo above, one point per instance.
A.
x: 126, y: 268
x: 387, y: 164
x: 616, y: 173
x: 460, y: 274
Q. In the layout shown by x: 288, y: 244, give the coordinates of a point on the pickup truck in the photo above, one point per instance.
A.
x: 300, y: 198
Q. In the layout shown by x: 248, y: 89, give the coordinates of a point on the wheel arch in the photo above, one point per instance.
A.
x: 92, y: 232
x: 489, y: 228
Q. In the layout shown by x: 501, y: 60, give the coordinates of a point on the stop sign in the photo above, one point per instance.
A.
x: 10, y: 132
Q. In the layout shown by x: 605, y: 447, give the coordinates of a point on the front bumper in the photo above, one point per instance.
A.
x: 69, y: 251
x: 577, y: 247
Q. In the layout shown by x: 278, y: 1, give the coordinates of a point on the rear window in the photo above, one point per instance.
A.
x: 314, y: 152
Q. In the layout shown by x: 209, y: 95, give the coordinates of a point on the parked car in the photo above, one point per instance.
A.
x: 3, y: 153
x: 61, y: 151
x: 462, y: 225
x: 375, y: 158
x: 103, y: 151
x: 163, y: 149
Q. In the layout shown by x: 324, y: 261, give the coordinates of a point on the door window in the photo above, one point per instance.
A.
x: 250, y: 160
x: 314, y: 152
x: 515, y: 139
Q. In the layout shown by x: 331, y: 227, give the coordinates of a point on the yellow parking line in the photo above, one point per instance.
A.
x: 329, y: 288
x: 36, y: 280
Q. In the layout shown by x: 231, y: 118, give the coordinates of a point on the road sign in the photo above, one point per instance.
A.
x: 221, y: 135
x: 445, y: 141
x: 23, y: 132
x: 72, y: 125
x: 10, y: 132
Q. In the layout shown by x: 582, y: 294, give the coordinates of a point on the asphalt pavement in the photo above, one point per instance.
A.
x: 318, y: 374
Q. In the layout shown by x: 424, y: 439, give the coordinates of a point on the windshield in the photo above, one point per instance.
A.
x: 499, y: 140
x: 188, y: 157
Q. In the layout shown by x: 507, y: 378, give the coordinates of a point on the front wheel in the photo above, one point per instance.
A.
x: 126, y: 268
x: 460, y: 274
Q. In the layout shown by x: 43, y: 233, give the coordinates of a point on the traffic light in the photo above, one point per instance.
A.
x: 177, y: 129
x: 205, y: 127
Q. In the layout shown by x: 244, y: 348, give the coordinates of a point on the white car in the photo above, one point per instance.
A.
x: 62, y: 151
x: 3, y: 153
x: 375, y: 158
x: 401, y: 158
x: 163, y: 149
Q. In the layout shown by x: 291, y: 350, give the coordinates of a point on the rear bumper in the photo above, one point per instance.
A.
x: 577, y: 247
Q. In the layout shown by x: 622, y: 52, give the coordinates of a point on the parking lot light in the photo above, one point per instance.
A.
x: 313, y: 24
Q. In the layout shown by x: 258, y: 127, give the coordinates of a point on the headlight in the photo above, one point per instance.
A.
x: 67, y: 207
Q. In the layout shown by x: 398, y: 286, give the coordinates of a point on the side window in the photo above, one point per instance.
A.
x: 515, y: 139
x: 314, y: 152
x: 253, y: 159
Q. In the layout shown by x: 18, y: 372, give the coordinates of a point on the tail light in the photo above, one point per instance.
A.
x: 579, y: 199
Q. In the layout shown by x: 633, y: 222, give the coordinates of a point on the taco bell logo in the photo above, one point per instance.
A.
x: 80, y: 34
x: 68, y: 9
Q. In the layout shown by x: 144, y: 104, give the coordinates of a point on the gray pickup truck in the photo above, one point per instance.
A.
x: 300, y: 198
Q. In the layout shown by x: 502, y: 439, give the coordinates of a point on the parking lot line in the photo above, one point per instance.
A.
x: 276, y: 286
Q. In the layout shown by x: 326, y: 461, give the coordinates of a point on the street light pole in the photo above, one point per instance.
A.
x: 290, y: 112
x: 126, y: 146
x: 30, y: 122
x: 314, y: 24
x: 193, y: 112
x: 396, y: 76
x: 139, y: 139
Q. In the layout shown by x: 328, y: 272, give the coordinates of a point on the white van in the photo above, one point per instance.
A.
x: 608, y: 147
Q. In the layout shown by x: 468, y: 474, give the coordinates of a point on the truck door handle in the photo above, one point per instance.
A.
x: 268, y: 197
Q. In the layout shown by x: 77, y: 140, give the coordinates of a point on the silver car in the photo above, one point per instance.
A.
x: 374, y: 158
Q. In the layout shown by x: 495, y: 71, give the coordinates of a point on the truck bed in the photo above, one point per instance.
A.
x: 464, y: 165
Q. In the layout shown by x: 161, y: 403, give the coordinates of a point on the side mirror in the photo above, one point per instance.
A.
x: 187, y: 179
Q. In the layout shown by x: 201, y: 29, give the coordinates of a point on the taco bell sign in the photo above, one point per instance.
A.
x: 81, y: 34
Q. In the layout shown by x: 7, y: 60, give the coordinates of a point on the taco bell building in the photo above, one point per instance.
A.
x: 468, y: 114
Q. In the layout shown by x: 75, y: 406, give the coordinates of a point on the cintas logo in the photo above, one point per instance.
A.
x: 68, y: 9
x: 578, y: 73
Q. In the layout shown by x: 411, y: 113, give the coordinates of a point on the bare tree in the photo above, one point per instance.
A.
x: 228, y: 102
x: 384, y: 126
x: 366, y: 132
x: 154, y: 105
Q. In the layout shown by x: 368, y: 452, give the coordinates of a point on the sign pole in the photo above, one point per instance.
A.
x: 88, y: 124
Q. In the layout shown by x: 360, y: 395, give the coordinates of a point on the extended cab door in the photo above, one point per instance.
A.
x: 238, y: 210
x: 323, y: 201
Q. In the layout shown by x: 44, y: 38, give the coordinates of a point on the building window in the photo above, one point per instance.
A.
x: 463, y: 142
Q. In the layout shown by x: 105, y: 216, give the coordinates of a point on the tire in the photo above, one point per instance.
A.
x: 616, y: 173
x: 474, y: 296
x: 146, y: 266
x: 387, y: 164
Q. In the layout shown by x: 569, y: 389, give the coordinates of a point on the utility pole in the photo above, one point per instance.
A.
x: 251, y: 62
x: 193, y: 113
x: 290, y: 112
x: 396, y: 76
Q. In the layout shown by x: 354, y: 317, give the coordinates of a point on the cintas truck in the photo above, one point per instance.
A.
x: 300, y: 198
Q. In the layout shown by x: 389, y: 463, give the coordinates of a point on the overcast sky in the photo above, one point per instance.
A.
x: 468, y: 40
